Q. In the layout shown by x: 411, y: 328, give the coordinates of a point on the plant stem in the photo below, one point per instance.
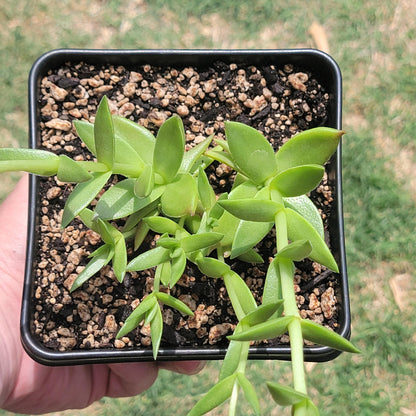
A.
x: 234, y: 399
x: 295, y: 331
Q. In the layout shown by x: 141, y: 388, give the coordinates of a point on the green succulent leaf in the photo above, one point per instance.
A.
x: 323, y: 336
x: 247, y: 235
x: 85, y: 131
x: 71, y: 171
x: 156, y: 329
x: 120, y: 200
x: 251, y: 152
x: 162, y: 225
x: 104, y: 134
x: 249, y: 392
x: 215, y: 396
x: 212, y: 267
x: 250, y: 256
x: 145, y: 182
x: 193, y: 155
x: 305, y: 408
x: 305, y: 207
x: 298, y: 180
x: 177, y: 268
x: 240, y: 295
x: 272, y: 292
x: 180, y: 197
x: 205, y: 191
x: 314, y: 146
x: 252, y: 209
x: 164, y: 272
x: 137, y: 315
x: 38, y: 162
x: 265, y: 330
x: 120, y: 258
x: 221, y: 157
x: 169, y: 149
x: 299, y: 229
x: 141, y: 232
x: 137, y: 136
x: 148, y: 259
x: 102, y: 258
x: 199, y: 241
x: 169, y: 243
x: 296, y: 251
x: 285, y: 395
x: 126, y: 160
x: 232, y: 358
x: 82, y: 195
x: 261, y: 314
x: 174, y: 303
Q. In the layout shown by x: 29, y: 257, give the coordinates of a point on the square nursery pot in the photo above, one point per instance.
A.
x: 114, y: 72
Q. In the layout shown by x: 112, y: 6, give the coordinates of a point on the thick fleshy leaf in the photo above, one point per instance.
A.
x: 145, y: 182
x: 169, y: 149
x: 300, y: 229
x: 263, y: 331
x: 298, y: 180
x: 191, y: 157
x: 38, y: 162
x: 135, y: 218
x: 104, y: 134
x: 305, y: 408
x: 305, y: 207
x: 82, y: 195
x: 314, y: 146
x: 137, y: 136
x: 240, y: 295
x: 252, y: 209
x: 272, y: 292
x: 71, y: 171
x: 251, y: 152
x: 205, y: 191
x: 323, y: 336
x: 148, y: 259
x: 221, y: 157
x: 85, y: 131
x: 285, y: 395
x: 141, y: 232
x: 232, y: 359
x: 174, y: 303
x: 164, y: 270
x: 178, y: 265
x: 199, y: 241
x: 156, y: 329
x: 120, y: 258
x: 261, y: 314
x: 250, y: 256
x: 247, y: 235
x: 249, y: 392
x: 107, y: 231
x: 168, y: 242
x: 120, y: 200
x: 296, y: 251
x: 93, y: 267
x: 215, y: 396
x: 126, y: 160
x: 137, y: 315
x: 180, y: 197
x: 212, y: 267
x: 162, y: 225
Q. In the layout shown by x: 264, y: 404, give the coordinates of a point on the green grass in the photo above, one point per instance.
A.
x: 374, y: 45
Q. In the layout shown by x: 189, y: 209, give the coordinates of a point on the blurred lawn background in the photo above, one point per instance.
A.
x: 374, y: 43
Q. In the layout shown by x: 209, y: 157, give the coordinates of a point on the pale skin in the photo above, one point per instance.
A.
x: 28, y: 387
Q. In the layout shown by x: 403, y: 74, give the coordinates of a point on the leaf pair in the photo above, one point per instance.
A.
x: 311, y: 331
x: 149, y: 311
x: 113, y: 249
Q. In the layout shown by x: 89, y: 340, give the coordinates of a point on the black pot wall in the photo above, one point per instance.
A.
x: 327, y: 73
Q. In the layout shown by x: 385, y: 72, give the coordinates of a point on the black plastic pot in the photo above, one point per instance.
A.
x: 328, y: 74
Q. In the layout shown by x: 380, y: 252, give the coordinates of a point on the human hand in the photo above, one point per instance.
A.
x: 29, y: 387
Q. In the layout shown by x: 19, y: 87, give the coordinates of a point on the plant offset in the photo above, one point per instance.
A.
x: 166, y: 191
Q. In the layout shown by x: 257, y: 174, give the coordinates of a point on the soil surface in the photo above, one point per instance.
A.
x: 277, y: 101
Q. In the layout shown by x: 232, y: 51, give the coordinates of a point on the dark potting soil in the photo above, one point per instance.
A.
x: 277, y: 101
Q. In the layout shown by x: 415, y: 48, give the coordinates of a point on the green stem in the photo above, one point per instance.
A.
x: 234, y: 399
x: 295, y: 330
